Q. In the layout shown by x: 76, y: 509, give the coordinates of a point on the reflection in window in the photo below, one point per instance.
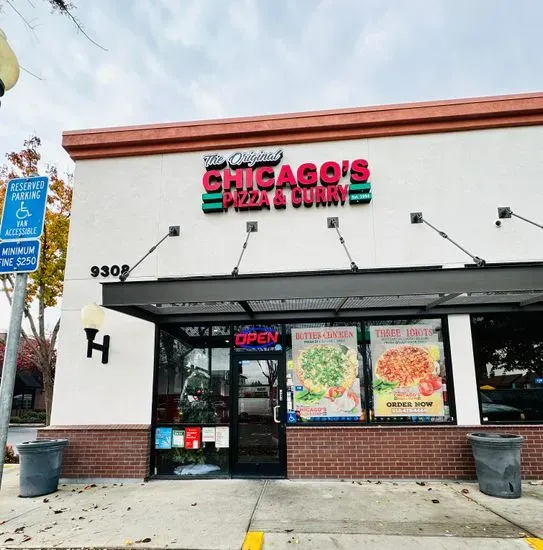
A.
x: 508, y: 352
x: 193, y: 386
x: 193, y: 390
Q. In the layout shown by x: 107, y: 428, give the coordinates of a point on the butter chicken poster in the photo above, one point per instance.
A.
x: 324, y: 374
x: 407, y: 363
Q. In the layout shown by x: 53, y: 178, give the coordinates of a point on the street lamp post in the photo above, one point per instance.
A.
x: 9, y: 74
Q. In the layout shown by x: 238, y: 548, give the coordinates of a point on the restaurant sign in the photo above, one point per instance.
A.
x: 256, y: 180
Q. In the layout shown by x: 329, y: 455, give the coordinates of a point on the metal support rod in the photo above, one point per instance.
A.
x: 235, y: 271
x: 526, y: 220
x: 9, y: 368
x: 173, y: 231
x: 419, y: 219
x: 334, y: 224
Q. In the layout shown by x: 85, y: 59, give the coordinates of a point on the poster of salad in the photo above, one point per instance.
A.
x: 323, y: 375
x: 407, y: 367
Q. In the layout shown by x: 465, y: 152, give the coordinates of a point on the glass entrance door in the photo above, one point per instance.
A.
x: 259, y: 416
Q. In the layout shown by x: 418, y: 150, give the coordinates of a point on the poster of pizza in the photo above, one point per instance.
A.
x: 324, y: 373
x: 407, y: 367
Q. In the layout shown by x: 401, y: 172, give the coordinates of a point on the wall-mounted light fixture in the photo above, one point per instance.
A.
x: 416, y: 217
x: 9, y: 66
x: 92, y: 317
x: 505, y: 212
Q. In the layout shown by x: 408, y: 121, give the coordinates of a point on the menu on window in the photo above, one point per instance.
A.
x: 407, y: 367
x: 324, y: 373
x: 222, y: 437
x: 208, y: 435
x: 178, y: 438
x: 163, y: 438
x: 192, y: 438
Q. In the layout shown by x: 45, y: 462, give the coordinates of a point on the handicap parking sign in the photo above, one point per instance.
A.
x: 24, y: 208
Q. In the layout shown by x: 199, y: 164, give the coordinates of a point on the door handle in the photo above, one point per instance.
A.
x: 275, y: 411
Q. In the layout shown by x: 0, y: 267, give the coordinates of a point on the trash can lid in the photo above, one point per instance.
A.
x: 491, y: 435
x: 39, y: 445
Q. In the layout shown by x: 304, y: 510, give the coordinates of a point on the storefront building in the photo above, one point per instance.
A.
x: 309, y: 321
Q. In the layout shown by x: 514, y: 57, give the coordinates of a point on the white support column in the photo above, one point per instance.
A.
x: 463, y: 370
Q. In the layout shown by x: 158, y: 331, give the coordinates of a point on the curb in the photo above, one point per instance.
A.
x: 535, y: 543
x: 254, y: 540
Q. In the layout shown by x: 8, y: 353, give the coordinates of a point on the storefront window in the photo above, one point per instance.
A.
x: 192, y: 434
x: 508, y: 351
x: 408, y: 371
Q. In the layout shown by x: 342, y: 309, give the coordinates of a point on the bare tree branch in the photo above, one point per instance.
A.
x: 54, y: 334
x: 31, y: 73
x: 65, y: 9
x: 26, y: 22
x: 7, y: 291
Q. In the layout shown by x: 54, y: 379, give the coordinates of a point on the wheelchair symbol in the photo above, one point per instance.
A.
x: 22, y: 212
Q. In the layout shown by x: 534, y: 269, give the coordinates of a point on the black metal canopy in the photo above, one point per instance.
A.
x: 331, y: 294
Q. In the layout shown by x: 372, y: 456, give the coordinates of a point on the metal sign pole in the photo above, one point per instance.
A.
x: 9, y: 368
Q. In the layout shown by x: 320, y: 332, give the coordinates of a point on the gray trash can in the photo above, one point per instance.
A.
x: 497, y: 461
x: 40, y: 463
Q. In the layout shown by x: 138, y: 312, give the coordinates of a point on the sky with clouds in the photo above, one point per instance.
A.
x: 172, y: 60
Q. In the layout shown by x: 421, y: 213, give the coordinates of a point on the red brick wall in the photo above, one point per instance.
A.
x: 113, y: 451
x: 433, y: 452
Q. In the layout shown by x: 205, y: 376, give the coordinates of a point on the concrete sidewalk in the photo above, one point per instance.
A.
x: 216, y: 515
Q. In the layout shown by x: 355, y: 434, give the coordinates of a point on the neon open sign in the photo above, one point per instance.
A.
x: 257, y: 338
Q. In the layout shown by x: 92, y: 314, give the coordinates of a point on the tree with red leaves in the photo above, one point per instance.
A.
x: 45, y: 285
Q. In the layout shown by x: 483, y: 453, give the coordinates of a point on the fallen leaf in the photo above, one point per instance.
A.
x: 58, y: 511
x: 146, y: 539
x: 26, y: 539
x: 194, y: 504
x: 421, y: 483
x: 45, y: 500
x: 19, y: 529
x: 9, y: 540
x: 429, y: 488
x: 465, y: 491
x: 93, y: 485
x: 128, y: 542
x: 81, y: 517
x: 435, y: 501
x: 377, y: 483
x: 128, y: 509
x: 289, y: 530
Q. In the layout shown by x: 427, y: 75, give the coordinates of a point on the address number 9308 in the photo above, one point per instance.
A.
x: 106, y: 270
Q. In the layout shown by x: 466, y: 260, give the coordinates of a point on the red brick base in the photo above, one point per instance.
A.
x: 436, y: 452
x: 112, y: 451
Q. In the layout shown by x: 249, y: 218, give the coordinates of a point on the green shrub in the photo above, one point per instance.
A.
x: 29, y: 417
